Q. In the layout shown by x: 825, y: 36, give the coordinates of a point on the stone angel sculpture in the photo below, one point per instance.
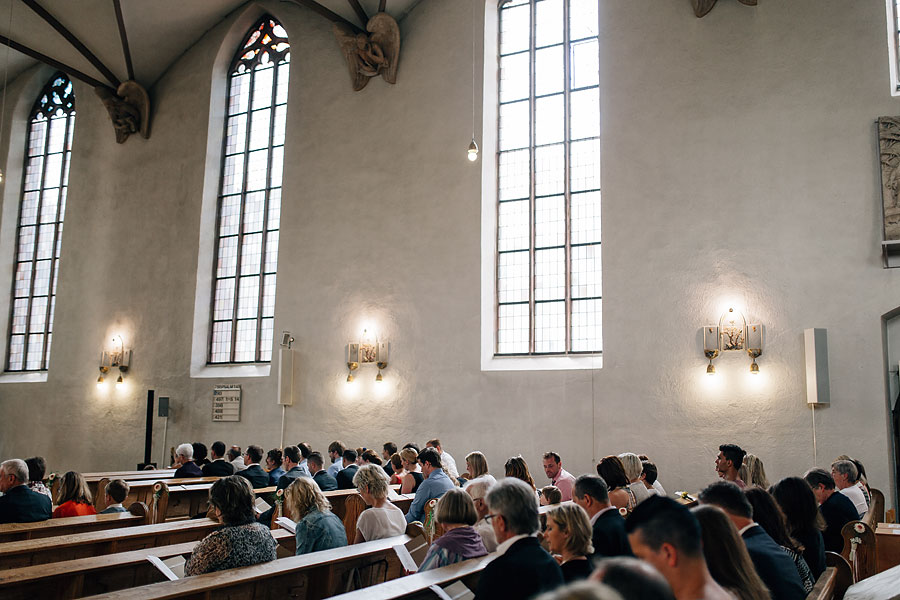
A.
x: 372, y: 54
x: 129, y: 109
x: 701, y: 7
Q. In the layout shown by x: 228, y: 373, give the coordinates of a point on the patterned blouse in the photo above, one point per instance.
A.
x: 40, y: 488
x: 231, y: 547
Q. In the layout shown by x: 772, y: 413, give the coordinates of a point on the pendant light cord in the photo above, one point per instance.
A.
x: 474, y: 21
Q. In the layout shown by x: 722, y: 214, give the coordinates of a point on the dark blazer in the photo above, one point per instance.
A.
x: 188, y: 469
x: 218, y: 468
x: 325, y: 481
x: 773, y: 565
x: 22, y: 505
x: 345, y: 477
x: 609, y: 537
x: 813, y: 550
x: 289, y: 477
x: 523, y: 571
x: 389, y: 469
x: 256, y: 475
x: 838, y: 510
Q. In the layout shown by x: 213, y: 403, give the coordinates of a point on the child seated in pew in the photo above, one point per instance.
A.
x: 550, y: 494
x: 116, y: 491
x: 242, y: 541
x: 74, y: 498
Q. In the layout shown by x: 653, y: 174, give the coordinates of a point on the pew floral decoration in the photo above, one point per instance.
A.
x: 430, y: 524
x: 157, y: 490
x: 685, y: 496
x: 623, y: 511
x: 859, y: 528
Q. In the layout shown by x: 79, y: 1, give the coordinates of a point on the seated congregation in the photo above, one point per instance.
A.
x: 615, y: 534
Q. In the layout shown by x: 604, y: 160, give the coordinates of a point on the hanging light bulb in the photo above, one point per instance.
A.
x: 120, y: 382
x: 473, y: 150
x: 101, y: 382
x: 379, y: 378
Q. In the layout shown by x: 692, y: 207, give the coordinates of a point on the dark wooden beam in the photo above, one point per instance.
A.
x: 53, y: 63
x: 321, y: 10
x: 382, y: 5
x: 124, y: 37
x: 360, y: 13
x: 70, y: 37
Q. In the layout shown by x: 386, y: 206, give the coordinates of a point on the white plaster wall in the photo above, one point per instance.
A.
x: 739, y: 167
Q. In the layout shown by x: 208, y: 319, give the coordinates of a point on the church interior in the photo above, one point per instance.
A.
x: 741, y: 171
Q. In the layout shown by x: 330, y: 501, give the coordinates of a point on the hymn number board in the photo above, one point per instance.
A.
x: 226, y: 405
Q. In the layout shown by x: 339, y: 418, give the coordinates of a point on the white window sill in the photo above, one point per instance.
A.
x: 541, y: 363
x: 220, y: 371
x: 30, y: 377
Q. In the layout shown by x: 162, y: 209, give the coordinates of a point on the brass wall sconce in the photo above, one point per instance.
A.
x: 366, y: 351
x: 119, y: 357
x: 732, y: 333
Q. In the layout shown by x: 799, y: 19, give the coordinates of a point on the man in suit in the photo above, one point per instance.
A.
x: 773, y: 565
x: 522, y: 568
x: 837, y: 508
x: 219, y: 467
x: 291, y: 465
x: 254, y: 473
x: 609, y: 538
x: 184, y: 458
x: 345, y: 475
x: 666, y: 535
x: 387, y: 451
x: 19, y: 504
x: 322, y: 478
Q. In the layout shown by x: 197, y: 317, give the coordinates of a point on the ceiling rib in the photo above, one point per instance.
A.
x: 70, y: 37
x: 123, y: 35
x: 321, y: 10
x: 360, y: 12
x: 52, y: 62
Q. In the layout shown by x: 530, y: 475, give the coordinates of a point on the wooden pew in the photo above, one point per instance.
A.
x: 172, y: 502
x: 869, y: 546
x: 96, y: 543
x: 887, y: 547
x: 421, y: 586
x: 94, y: 478
x: 138, y: 515
x: 99, y: 574
x: 843, y: 573
x: 824, y: 588
x: 310, y: 576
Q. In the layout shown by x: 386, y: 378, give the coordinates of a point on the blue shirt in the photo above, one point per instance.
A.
x: 319, y: 531
x: 275, y: 474
x: 336, y: 467
x: 434, y: 486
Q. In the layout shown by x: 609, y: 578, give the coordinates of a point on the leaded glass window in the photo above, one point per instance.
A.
x: 40, y: 226
x: 548, y: 189
x: 249, y: 207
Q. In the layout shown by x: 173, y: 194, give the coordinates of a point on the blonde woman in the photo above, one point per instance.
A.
x: 456, y: 514
x: 317, y: 527
x: 74, y: 497
x: 383, y: 520
x: 752, y: 472
x: 633, y: 469
x: 414, y: 477
x: 569, y: 535
x: 477, y: 466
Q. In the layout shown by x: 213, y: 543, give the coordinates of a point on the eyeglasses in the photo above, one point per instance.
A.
x: 488, y: 518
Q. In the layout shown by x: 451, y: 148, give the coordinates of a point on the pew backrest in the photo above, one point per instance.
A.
x: 421, y: 585
x: 843, y: 573
x: 79, y: 545
x: 311, y: 576
x: 137, y: 515
x: 99, y: 574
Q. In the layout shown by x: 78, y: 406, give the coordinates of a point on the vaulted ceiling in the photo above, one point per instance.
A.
x: 158, y: 31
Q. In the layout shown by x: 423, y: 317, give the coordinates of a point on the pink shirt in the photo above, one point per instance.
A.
x: 565, y: 481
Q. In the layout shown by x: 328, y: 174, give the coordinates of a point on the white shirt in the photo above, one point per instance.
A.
x: 380, y: 523
x: 449, y: 463
x: 238, y: 464
x: 502, y: 548
x: 640, y: 491
x: 659, y: 488
x: 745, y: 528
x: 490, y: 479
x: 856, y: 496
x: 488, y: 537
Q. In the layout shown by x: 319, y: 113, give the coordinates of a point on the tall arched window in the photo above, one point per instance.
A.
x: 40, y: 226
x: 249, y: 206
x: 548, y: 189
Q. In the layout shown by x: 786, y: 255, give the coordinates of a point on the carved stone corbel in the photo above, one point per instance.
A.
x: 701, y: 7
x: 129, y: 109
x: 368, y: 56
